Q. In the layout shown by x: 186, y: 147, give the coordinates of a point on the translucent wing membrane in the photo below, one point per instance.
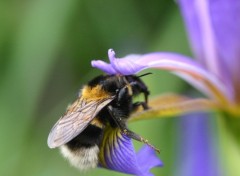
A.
x: 76, y: 119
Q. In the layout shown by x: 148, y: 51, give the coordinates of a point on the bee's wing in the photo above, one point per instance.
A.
x: 76, y: 119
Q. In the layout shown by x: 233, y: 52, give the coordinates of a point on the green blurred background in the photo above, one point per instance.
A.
x: 45, y: 51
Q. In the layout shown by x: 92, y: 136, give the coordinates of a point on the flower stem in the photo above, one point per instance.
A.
x: 229, y: 128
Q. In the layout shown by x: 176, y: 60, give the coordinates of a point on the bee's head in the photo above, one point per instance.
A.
x: 137, y: 85
x: 114, y: 83
x: 109, y: 83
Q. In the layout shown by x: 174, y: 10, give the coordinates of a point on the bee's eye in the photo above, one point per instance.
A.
x: 133, y: 83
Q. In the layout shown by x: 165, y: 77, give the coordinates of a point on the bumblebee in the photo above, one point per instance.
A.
x: 105, y: 100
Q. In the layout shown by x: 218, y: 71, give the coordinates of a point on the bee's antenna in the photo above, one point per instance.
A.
x: 149, y: 73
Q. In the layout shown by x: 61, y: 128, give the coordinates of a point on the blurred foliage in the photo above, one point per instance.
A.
x: 45, y: 51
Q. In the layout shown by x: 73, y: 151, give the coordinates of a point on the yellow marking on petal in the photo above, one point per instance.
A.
x: 221, y: 97
x: 233, y: 109
x: 173, y: 105
x: 109, y: 137
x: 216, y: 92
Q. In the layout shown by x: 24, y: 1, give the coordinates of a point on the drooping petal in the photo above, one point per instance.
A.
x: 171, y: 105
x: 147, y: 155
x: 117, y: 153
x: 178, y: 64
x: 197, y: 150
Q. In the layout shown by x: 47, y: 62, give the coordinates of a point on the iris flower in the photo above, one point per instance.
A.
x: 117, y: 153
x: 214, y: 32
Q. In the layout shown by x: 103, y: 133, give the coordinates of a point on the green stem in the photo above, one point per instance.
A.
x: 229, y: 128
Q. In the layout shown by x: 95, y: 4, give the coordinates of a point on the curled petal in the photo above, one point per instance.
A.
x: 170, y: 105
x: 180, y: 65
x: 117, y: 153
x: 107, y: 68
x: 198, y: 147
x: 126, y: 66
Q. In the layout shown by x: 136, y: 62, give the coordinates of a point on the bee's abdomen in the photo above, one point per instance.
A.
x: 82, y: 158
x: 91, y: 136
x: 82, y: 151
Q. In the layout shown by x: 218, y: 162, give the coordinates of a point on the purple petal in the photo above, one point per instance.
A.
x: 117, y: 153
x: 189, y: 70
x: 193, y: 27
x: 226, y: 25
x: 201, y: 34
x: 126, y: 66
x: 198, y: 155
x: 225, y: 20
x: 107, y: 68
x: 147, y: 155
x: 214, y: 31
x: 181, y: 65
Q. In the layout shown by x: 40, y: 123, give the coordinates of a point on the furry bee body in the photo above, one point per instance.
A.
x: 82, y: 151
x: 105, y: 100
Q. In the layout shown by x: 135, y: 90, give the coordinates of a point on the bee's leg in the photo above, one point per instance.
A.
x: 144, y: 90
x: 143, y: 104
x: 146, y: 94
x: 122, y: 93
x: 139, y: 138
x: 123, y: 127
